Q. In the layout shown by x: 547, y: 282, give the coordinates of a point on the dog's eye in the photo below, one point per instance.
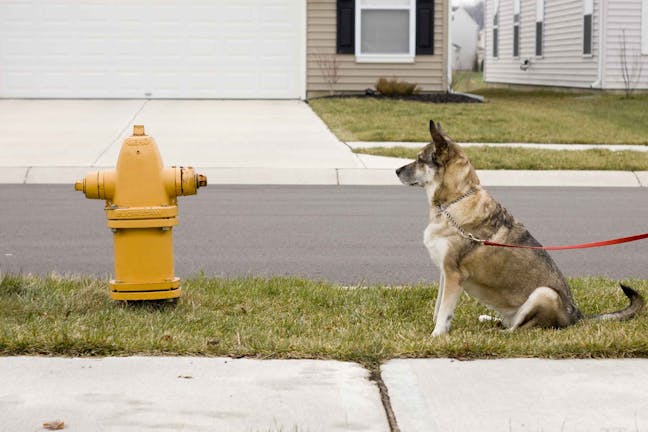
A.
x: 419, y: 159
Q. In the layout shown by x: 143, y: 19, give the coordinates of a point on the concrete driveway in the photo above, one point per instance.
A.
x: 74, y: 135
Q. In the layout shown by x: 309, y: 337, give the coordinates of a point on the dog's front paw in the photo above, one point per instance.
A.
x: 442, y: 326
x: 439, y: 332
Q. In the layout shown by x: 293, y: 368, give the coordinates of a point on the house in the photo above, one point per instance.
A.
x: 278, y: 49
x: 567, y: 43
x: 464, y: 35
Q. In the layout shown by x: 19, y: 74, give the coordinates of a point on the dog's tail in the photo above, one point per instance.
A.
x: 636, y: 305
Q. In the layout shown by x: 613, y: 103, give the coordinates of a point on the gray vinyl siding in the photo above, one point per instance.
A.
x: 562, y: 64
x: 428, y: 71
x: 621, y: 15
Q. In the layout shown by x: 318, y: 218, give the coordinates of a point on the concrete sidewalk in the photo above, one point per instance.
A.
x: 232, y: 142
x: 518, y: 395
x: 187, y: 394
x: 221, y: 394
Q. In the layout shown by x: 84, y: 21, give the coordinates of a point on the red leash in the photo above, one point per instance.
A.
x: 578, y: 246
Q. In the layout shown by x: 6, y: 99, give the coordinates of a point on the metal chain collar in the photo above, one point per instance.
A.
x: 443, y: 210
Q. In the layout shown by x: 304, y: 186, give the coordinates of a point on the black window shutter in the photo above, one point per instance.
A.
x: 587, y: 36
x: 516, y: 41
x: 538, y: 46
x: 345, y: 26
x: 424, y: 26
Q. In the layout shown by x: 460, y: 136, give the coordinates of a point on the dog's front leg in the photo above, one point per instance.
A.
x: 438, y: 299
x: 449, y: 297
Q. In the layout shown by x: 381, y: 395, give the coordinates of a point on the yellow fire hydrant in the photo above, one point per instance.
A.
x: 141, y: 208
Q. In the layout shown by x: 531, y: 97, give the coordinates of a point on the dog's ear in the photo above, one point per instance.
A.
x: 438, y: 137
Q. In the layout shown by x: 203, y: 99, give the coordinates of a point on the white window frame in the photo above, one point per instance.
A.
x: 385, y: 58
x: 644, y: 27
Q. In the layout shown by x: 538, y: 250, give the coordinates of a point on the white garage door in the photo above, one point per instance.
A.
x: 152, y: 49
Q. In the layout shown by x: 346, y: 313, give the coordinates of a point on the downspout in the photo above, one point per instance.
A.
x: 449, y: 47
x: 601, y: 48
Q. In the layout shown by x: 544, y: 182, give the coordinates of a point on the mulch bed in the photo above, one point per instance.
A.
x: 420, y: 97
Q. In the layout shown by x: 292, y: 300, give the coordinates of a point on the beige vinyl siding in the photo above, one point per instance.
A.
x: 562, y: 64
x: 428, y: 71
x: 623, y: 14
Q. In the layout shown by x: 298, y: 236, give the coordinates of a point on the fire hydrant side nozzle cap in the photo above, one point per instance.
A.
x: 97, y: 185
x: 183, y: 181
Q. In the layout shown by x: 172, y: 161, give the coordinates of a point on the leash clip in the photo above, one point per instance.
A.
x: 475, y: 239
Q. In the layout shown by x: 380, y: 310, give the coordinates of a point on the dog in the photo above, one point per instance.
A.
x: 524, y: 286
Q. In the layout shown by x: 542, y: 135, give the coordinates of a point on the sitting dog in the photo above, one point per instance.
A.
x: 524, y: 286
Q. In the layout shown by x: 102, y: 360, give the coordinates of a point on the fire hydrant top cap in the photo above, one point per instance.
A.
x: 138, y: 130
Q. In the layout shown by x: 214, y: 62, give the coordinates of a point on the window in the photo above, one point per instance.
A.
x: 644, y: 27
x: 539, y: 30
x: 516, y: 28
x: 587, y: 27
x: 496, y: 30
x: 385, y: 30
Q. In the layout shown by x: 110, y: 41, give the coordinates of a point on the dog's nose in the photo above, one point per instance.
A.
x: 398, y: 170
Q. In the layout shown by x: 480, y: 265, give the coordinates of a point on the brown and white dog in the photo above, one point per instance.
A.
x: 524, y: 286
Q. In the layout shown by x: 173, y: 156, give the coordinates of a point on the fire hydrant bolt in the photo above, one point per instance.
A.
x: 141, y: 208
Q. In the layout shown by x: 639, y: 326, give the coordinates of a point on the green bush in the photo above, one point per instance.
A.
x: 394, y: 87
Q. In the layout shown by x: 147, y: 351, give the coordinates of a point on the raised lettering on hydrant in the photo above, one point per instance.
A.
x: 141, y: 208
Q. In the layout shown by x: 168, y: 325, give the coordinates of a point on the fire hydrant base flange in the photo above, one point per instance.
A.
x: 145, y: 291
x: 146, y: 295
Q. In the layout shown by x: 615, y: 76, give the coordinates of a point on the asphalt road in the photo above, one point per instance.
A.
x: 342, y: 234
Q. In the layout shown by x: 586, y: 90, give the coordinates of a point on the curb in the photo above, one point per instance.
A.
x: 344, y: 176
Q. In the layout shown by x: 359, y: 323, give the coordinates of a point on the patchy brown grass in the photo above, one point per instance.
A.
x: 293, y: 318
x: 535, y: 159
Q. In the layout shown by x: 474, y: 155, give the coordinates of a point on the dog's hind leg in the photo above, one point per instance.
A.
x: 449, y: 297
x: 543, y: 308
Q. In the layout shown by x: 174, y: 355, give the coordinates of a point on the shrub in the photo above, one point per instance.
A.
x: 394, y: 87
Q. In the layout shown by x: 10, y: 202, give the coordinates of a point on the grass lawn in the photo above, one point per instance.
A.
x: 506, y: 116
x: 535, y: 159
x: 293, y: 318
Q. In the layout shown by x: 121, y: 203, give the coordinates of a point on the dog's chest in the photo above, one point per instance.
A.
x: 436, y: 243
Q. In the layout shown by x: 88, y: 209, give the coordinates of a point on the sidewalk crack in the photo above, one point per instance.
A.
x: 638, y: 179
x: 376, y: 376
x: 26, y: 175
x: 130, y: 121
